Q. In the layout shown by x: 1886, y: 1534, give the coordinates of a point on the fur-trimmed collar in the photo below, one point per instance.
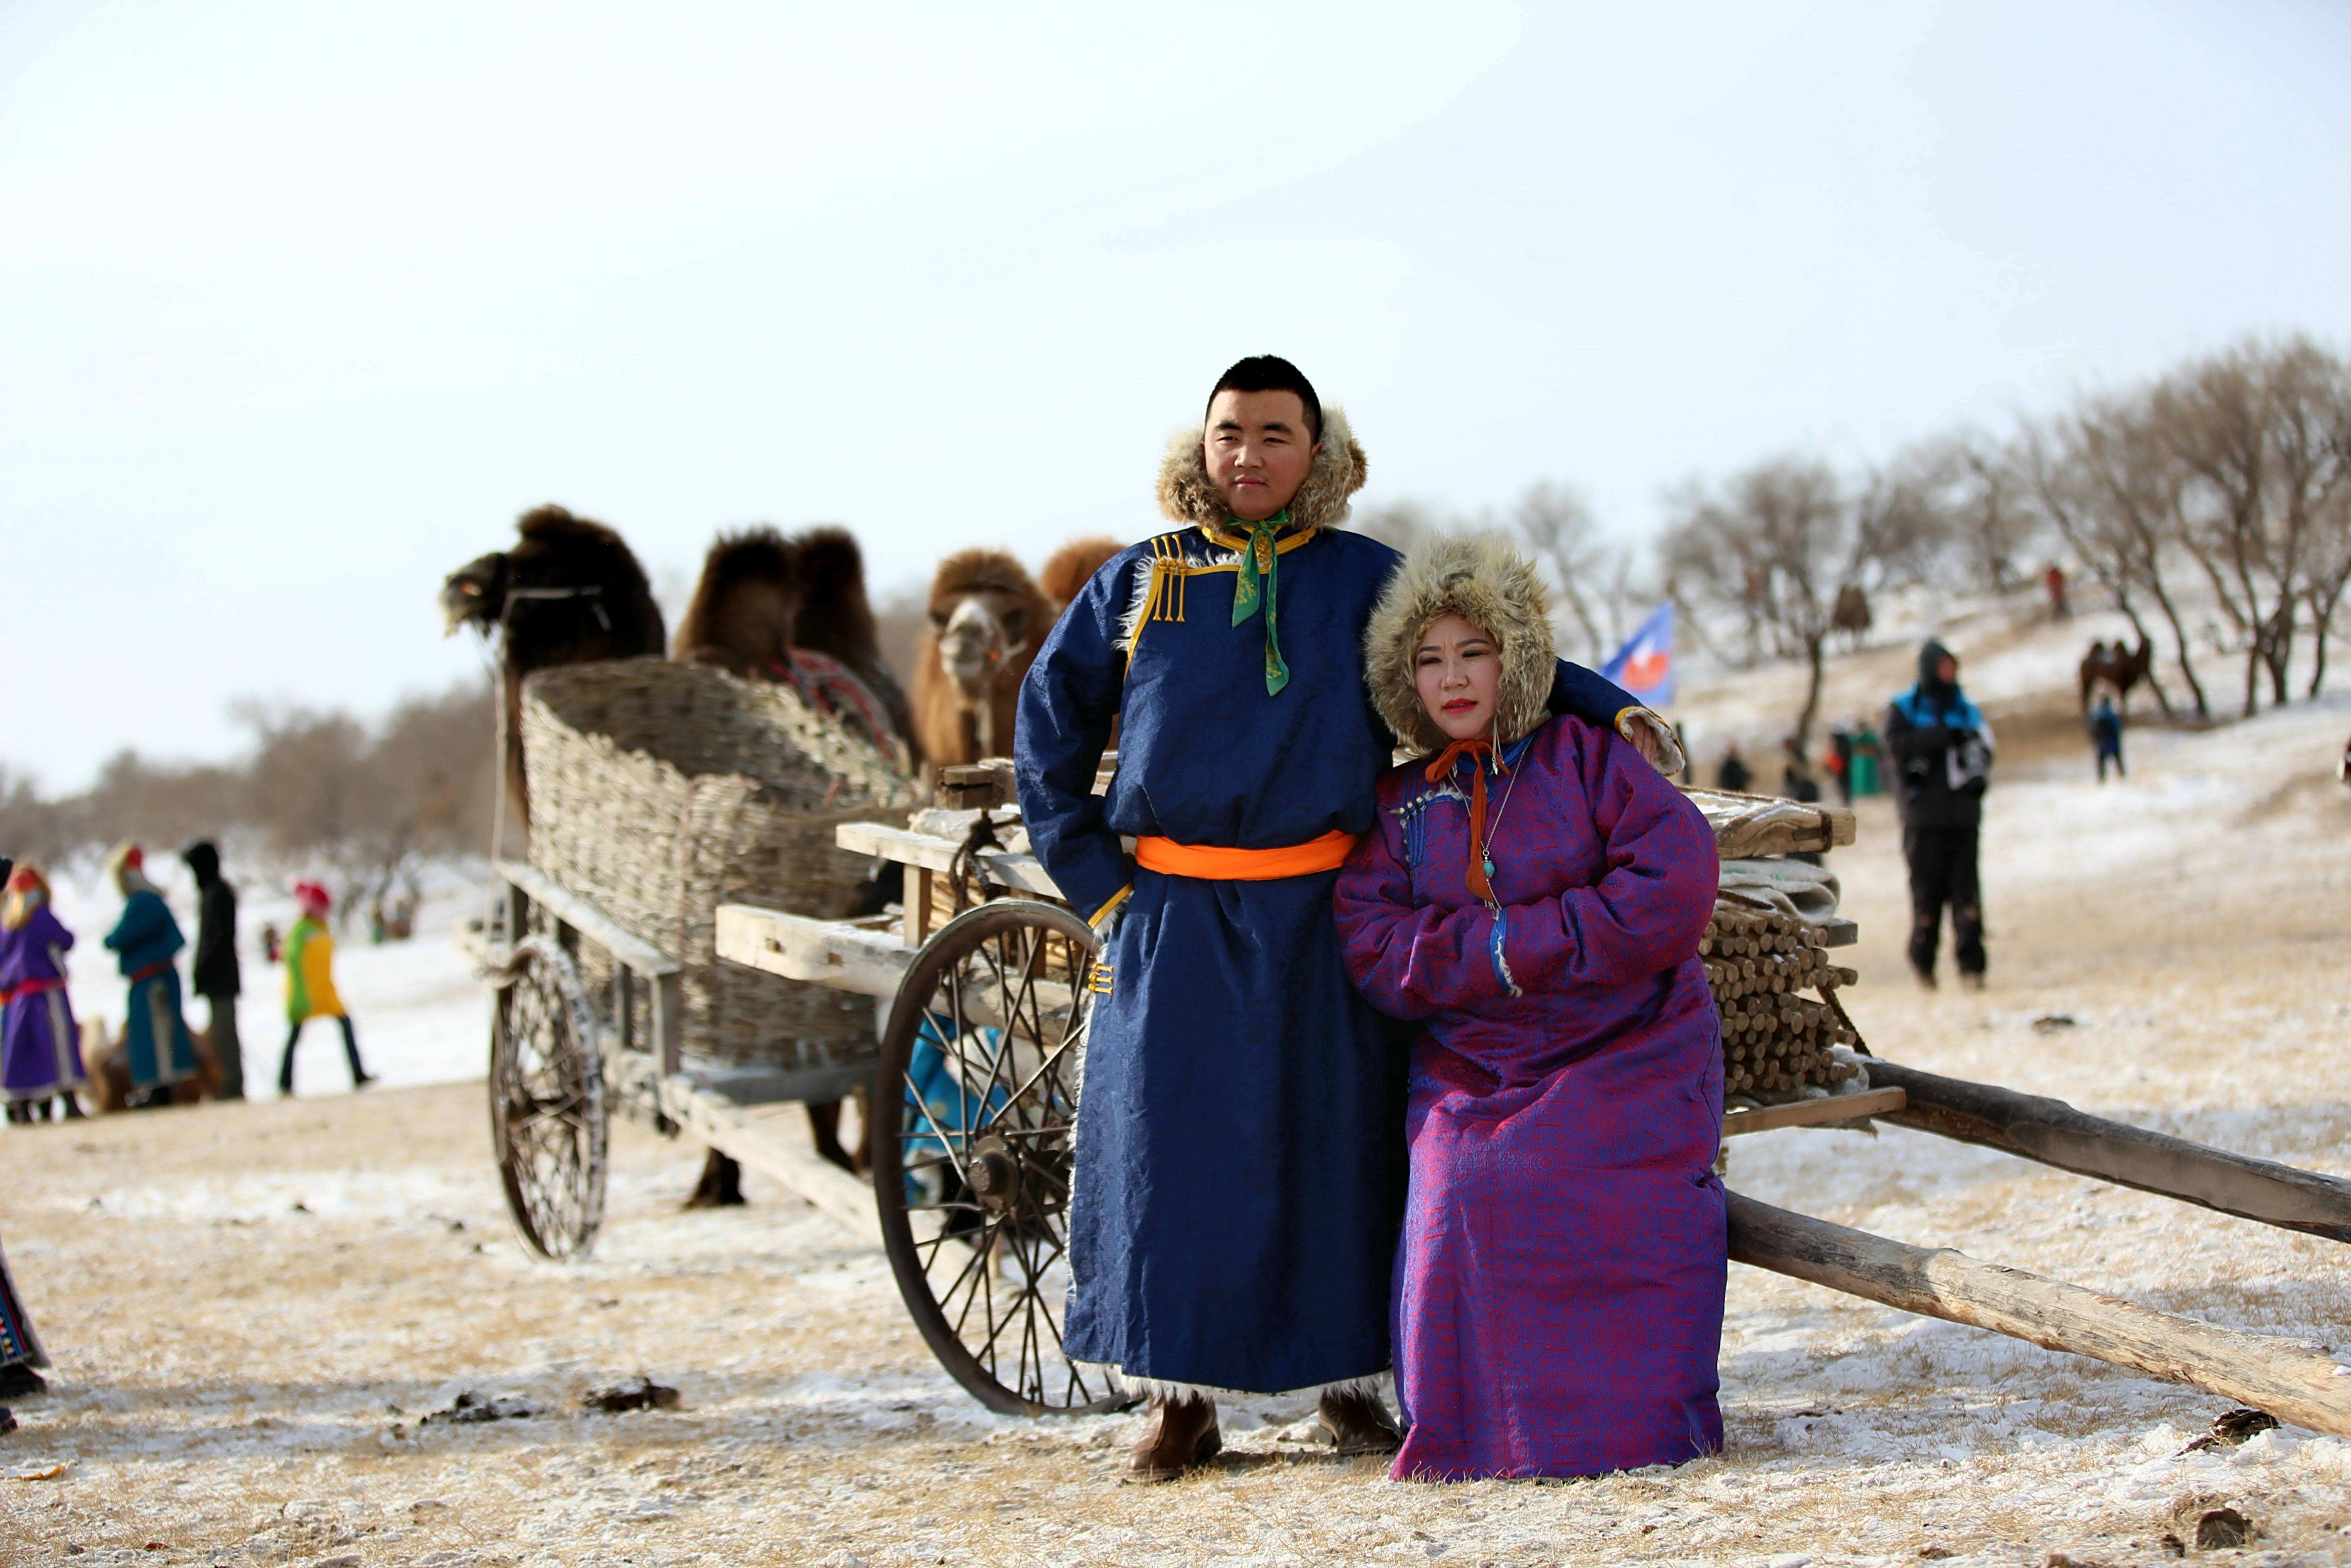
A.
x: 1187, y: 497
x: 1493, y: 587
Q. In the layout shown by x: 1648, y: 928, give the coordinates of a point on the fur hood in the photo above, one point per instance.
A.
x: 1490, y: 585
x: 1187, y: 497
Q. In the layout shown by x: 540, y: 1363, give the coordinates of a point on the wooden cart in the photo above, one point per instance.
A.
x: 974, y: 1112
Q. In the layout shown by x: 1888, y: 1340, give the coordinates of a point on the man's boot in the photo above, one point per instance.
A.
x: 1357, y: 1423
x: 1181, y: 1436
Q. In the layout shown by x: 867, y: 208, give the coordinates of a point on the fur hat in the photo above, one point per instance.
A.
x: 26, y: 892
x: 127, y: 863
x: 1495, y: 588
x: 1186, y: 495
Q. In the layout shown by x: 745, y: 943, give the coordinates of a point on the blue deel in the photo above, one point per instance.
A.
x: 1239, y: 1176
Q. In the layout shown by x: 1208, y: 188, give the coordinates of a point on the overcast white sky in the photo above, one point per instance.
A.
x: 300, y: 304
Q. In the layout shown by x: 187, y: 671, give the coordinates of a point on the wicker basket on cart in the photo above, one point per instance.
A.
x: 660, y: 790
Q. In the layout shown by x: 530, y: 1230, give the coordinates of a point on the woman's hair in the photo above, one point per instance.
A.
x: 1493, y: 586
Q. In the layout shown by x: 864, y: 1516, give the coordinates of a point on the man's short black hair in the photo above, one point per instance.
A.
x: 1271, y: 372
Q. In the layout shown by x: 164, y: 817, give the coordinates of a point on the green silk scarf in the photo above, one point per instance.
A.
x: 1260, y: 560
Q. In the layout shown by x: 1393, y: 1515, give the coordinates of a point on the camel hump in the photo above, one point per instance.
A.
x: 831, y: 562
x: 1070, y: 568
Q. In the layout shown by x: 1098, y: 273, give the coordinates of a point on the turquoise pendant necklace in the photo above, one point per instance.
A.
x: 1486, y: 850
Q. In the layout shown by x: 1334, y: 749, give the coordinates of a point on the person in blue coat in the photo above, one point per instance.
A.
x: 1240, y: 1176
x: 146, y: 943
x: 1941, y: 747
x: 2106, y: 736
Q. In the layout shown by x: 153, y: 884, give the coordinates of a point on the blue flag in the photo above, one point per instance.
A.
x: 1645, y: 664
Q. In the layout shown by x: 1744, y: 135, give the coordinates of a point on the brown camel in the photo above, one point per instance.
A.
x: 1851, y: 615
x: 2119, y: 667
x: 1069, y: 569
x: 568, y: 592
x: 763, y: 605
x: 765, y: 602
x: 987, y: 617
x: 836, y: 619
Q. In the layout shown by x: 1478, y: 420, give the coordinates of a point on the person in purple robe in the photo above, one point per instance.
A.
x: 40, y: 1053
x: 1532, y: 897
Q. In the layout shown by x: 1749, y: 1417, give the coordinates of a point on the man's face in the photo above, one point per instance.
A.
x: 1258, y: 449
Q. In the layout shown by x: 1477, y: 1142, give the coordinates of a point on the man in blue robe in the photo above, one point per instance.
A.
x: 1239, y: 1178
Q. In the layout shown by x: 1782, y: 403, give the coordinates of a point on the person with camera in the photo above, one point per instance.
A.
x: 1941, y: 748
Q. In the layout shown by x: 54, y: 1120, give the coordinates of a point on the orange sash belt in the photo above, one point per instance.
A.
x: 1216, y: 862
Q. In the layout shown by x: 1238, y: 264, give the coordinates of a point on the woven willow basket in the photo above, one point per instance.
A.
x: 659, y: 791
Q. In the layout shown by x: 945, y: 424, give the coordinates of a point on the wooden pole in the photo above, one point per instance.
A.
x: 2055, y: 1134
x: 2294, y: 1382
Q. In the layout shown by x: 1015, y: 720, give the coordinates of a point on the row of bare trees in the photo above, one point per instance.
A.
x: 1597, y: 591
x: 2231, y: 473
x: 316, y: 790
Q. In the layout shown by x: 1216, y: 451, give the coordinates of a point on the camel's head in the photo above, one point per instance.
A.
x: 979, y: 635
x: 475, y: 594
x: 985, y: 612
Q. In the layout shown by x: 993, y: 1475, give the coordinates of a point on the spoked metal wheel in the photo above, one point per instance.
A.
x: 547, y: 1115
x: 974, y: 1110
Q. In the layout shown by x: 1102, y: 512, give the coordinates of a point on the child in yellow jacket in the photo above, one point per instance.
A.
x: 310, y: 984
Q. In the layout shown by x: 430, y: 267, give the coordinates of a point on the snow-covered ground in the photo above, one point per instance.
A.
x: 252, y: 1306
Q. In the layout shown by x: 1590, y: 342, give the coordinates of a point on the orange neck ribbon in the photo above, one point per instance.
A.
x: 1481, y: 879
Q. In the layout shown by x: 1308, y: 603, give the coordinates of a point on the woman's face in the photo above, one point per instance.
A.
x: 1459, y: 671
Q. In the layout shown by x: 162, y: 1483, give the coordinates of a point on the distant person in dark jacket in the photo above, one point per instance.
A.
x: 2106, y: 735
x: 1941, y: 749
x: 1733, y: 775
x: 216, y: 977
x: 1796, y: 780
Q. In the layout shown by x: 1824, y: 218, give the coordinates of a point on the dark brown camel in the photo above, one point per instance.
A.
x: 2119, y: 667
x: 568, y: 592
x: 836, y: 619
x: 1851, y: 615
x: 761, y: 598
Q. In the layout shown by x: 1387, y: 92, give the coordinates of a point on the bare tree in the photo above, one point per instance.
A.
x: 2103, y: 481
x: 32, y: 828
x: 1589, y: 575
x: 1399, y: 525
x: 1978, y: 501
x: 2256, y: 428
x: 1774, y: 546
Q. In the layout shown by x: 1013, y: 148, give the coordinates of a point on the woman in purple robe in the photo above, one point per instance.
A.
x: 40, y: 1055
x: 1532, y: 895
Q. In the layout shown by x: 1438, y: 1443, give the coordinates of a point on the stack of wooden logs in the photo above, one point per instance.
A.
x: 1775, y: 1041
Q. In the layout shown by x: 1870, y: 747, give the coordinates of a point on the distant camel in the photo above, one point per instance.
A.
x: 1072, y: 565
x: 1851, y: 615
x: 569, y: 591
x: 2119, y: 667
x: 107, y: 1069
x: 794, y: 612
x: 836, y: 619
x: 987, y: 617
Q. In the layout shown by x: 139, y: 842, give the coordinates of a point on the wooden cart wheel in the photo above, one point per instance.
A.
x: 548, y: 1114
x: 974, y: 1109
